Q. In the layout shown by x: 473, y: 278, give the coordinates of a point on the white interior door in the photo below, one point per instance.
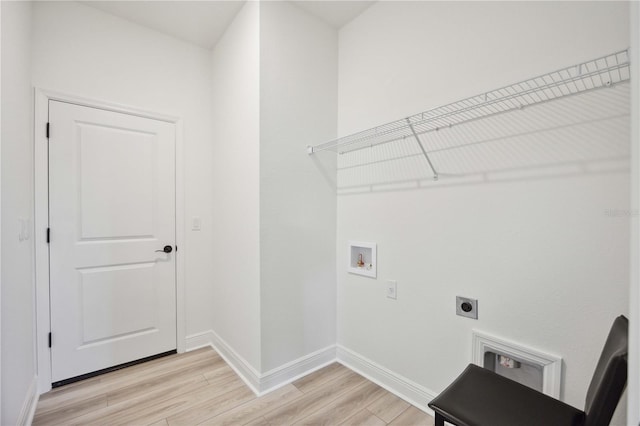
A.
x: 111, y: 208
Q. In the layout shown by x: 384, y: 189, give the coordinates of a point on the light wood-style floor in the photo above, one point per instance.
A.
x: 200, y: 388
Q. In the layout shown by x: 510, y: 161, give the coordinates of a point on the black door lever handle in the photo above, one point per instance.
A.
x: 166, y: 249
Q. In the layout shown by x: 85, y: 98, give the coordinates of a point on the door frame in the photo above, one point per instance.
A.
x: 41, y: 219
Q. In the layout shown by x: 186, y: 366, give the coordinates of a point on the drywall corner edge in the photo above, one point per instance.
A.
x: 249, y: 375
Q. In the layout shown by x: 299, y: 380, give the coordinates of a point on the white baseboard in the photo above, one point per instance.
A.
x: 400, y: 386
x: 29, y: 405
x: 262, y: 383
x: 291, y: 371
x: 198, y: 340
x: 247, y: 373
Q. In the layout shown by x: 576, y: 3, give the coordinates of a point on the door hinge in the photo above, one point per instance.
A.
x: 48, y: 235
x: 50, y: 339
x: 48, y: 126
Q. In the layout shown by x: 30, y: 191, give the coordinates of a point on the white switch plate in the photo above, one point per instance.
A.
x: 392, y: 289
x: 196, y: 223
x: 21, y: 229
x: 25, y: 229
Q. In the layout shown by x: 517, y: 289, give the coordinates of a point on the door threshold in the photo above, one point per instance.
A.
x: 110, y: 369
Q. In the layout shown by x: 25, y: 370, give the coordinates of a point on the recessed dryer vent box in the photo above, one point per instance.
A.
x: 362, y: 258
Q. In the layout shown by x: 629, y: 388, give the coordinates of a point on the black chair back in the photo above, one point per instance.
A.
x: 610, y: 377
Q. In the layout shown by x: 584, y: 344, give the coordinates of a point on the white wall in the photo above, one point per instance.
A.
x: 18, y: 306
x: 82, y: 51
x: 298, y: 107
x: 633, y: 413
x: 532, y: 243
x: 274, y: 92
x: 537, y: 252
x: 235, y: 260
x: 0, y: 216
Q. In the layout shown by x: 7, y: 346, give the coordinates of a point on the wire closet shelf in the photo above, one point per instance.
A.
x: 598, y: 73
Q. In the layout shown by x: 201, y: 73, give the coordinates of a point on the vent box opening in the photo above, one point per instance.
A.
x: 518, y: 370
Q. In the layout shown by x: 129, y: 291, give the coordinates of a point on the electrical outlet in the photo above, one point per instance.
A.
x: 466, y: 307
x: 392, y: 289
x: 196, y: 223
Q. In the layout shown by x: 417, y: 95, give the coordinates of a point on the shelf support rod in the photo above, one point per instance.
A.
x: 433, y: 169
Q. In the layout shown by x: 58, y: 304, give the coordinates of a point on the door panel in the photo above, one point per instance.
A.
x: 121, y: 289
x: 117, y: 166
x: 112, y: 205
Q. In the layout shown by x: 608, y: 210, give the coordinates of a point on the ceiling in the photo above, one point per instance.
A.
x: 203, y: 22
x: 335, y: 13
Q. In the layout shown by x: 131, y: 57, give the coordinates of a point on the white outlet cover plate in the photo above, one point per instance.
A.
x: 473, y: 313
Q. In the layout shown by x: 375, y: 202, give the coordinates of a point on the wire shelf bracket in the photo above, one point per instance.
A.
x: 602, y: 72
x: 424, y: 152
